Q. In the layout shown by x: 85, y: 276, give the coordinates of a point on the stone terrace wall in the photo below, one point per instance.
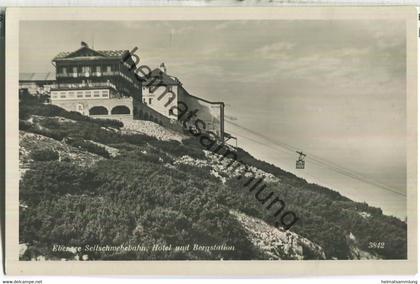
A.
x: 143, y: 112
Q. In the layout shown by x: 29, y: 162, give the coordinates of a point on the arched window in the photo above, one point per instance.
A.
x: 98, y: 110
x: 120, y: 110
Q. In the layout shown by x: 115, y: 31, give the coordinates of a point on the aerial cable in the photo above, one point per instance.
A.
x: 318, y: 160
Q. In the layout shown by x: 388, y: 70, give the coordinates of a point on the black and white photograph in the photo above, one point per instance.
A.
x: 214, y: 139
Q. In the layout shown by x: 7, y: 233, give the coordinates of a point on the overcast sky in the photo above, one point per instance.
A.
x: 335, y: 89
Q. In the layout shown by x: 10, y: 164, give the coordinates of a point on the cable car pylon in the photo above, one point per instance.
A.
x: 300, y: 163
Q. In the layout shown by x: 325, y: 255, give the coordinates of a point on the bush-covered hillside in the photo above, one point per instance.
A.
x: 143, y: 196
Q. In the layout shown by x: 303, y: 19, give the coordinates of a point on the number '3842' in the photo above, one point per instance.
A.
x: 379, y: 245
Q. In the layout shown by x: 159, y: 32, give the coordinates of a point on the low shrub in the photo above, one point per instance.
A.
x: 44, y: 155
x: 89, y: 146
x: 108, y: 122
x: 54, y: 134
x: 24, y: 125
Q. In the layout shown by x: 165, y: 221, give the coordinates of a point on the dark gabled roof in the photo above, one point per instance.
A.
x: 158, y: 77
x: 32, y: 77
x: 87, y: 52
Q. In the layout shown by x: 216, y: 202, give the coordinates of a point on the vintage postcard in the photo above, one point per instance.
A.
x: 211, y: 141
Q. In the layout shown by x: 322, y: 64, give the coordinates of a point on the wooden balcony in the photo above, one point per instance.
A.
x: 83, y: 86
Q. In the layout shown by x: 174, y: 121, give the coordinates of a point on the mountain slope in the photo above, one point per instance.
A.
x: 92, y: 182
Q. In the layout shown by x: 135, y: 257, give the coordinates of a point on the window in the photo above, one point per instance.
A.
x: 64, y: 70
x: 108, y: 69
x: 63, y: 96
x: 96, y: 94
x: 150, y: 101
x: 80, y: 94
x: 98, y: 69
x: 74, y: 72
x: 86, y: 69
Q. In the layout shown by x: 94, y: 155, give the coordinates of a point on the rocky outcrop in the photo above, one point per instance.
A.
x: 220, y: 167
x: 29, y: 142
x: 132, y: 126
x: 355, y: 251
x: 278, y: 243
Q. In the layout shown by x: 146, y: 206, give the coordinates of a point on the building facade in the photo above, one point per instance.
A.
x: 36, y: 84
x: 166, y: 95
x: 104, y: 83
x: 95, y: 82
x: 160, y: 92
